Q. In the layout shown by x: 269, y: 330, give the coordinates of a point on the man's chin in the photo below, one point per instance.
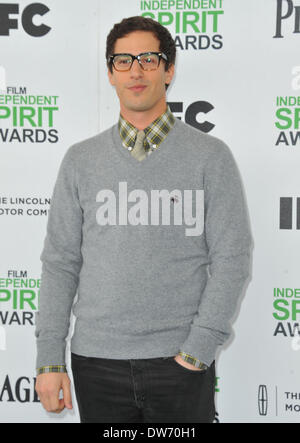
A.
x: 139, y: 107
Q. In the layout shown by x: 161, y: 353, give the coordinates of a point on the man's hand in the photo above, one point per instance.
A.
x: 48, y: 387
x: 184, y: 363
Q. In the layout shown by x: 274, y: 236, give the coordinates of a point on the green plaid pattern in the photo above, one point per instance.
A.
x: 51, y: 368
x: 194, y: 361
x: 155, y: 133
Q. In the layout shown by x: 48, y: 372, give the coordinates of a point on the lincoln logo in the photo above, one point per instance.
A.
x: 262, y: 400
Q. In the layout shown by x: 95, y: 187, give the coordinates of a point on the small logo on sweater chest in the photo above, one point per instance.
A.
x: 162, y: 207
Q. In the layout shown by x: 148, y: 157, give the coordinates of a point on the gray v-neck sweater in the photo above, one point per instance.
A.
x: 158, y: 251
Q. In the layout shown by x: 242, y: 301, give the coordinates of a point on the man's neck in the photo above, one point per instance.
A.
x: 143, y: 119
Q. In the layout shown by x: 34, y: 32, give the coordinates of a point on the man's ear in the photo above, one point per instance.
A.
x: 111, y: 77
x: 170, y: 74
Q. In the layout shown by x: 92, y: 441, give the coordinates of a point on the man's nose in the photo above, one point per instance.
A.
x: 136, y: 69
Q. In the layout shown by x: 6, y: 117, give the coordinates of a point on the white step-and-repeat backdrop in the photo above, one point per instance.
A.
x: 238, y: 78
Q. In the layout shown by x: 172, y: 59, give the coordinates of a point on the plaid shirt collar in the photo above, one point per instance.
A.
x: 155, y: 132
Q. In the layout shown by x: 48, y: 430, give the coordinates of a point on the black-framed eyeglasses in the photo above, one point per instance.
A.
x: 149, y: 61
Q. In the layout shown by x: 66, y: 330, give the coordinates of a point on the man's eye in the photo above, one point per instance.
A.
x: 123, y: 61
x: 148, y: 60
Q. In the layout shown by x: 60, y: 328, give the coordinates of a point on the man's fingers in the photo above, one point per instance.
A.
x: 48, y: 387
x: 67, y: 393
x: 51, y: 402
x: 61, y: 405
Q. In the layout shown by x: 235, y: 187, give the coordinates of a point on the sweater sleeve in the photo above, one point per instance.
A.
x: 61, y: 263
x: 229, y: 242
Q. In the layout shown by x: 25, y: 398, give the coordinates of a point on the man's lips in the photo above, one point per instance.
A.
x: 137, y: 88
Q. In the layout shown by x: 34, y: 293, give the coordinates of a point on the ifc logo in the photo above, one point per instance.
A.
x: 7, y: 23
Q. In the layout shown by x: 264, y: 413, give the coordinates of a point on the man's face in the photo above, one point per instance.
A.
x: 153, y: 93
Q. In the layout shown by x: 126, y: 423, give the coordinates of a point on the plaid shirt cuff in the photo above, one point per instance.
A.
x: 193, y: 361
x: 52, y: 368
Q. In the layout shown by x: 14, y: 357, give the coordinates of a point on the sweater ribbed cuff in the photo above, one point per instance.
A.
x: 200, y: 345
x: 50, y: 353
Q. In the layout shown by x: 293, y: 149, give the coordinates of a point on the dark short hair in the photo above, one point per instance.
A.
x: 140, y: 23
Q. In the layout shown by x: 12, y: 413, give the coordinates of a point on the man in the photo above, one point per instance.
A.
x: 148, y: 221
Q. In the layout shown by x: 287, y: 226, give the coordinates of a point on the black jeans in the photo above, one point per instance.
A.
x: 153, y: 390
